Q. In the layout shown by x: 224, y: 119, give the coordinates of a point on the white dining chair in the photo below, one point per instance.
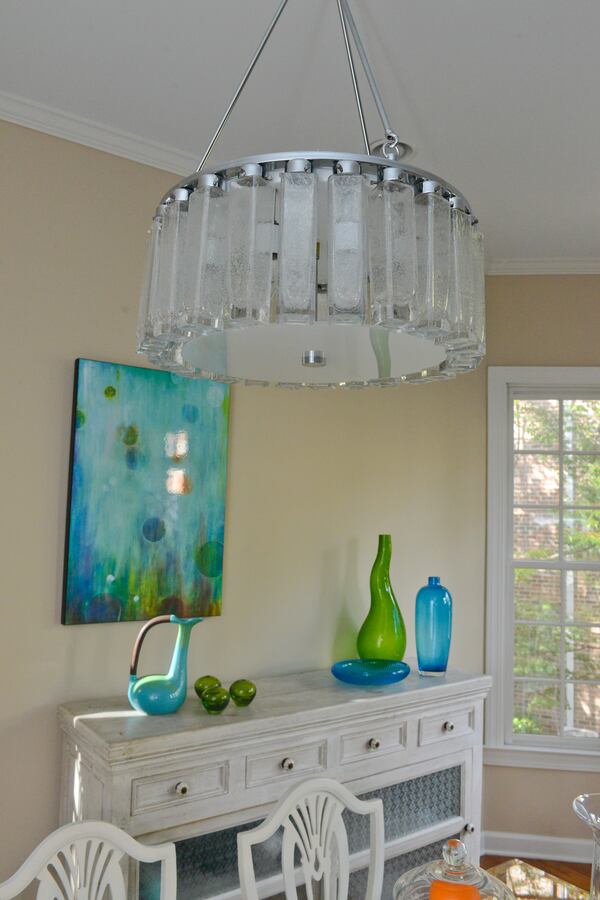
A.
x: 82, y: 861
x: 313, y: 831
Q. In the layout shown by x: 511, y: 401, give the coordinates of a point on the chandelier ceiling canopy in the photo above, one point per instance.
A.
x: 315, y: 268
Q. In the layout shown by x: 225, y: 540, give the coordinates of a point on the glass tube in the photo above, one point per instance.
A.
x: 147, y: 312
x: 460, y: 288
x: 297, y: 260
x: 169, y: 297
x: 433, y: 251
x: 478, y: 318
x: 392, y: 254
x: 322, y: 300
x: 251, y: 216
x: 347, y: 248
x: 206, y: 257
x: 463, y: 356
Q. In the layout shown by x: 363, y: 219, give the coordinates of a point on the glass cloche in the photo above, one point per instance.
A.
x: 450, y: 878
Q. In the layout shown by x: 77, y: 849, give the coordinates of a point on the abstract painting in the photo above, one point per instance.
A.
x: 146, y: 509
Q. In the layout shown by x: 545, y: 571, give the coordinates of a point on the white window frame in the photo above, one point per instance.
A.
x: 500, y: 748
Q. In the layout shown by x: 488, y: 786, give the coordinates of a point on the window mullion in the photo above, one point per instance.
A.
x: 585, y: 565
x: 561, y: 556
x: 508, y: 676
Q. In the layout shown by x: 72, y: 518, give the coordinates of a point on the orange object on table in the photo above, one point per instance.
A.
x: 445, y: 890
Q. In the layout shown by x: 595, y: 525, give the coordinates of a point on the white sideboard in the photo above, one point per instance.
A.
x: 196, y: 778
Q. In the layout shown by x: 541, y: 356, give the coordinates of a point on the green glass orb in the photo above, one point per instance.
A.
x: 215, y: 700
x: 204, y: 682
x: 242, y: 692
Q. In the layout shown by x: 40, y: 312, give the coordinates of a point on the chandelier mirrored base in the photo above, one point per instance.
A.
x: 322, y: 356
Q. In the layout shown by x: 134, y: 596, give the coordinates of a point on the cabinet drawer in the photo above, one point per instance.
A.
x: 445, y: 726
x: 275, y: 765
x: 372, y: 741
x: 160, y: 791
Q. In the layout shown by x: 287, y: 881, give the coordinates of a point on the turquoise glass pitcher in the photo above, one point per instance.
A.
x: 158, y: 695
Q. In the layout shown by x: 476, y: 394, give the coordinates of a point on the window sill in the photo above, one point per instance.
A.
x: 542, y: 758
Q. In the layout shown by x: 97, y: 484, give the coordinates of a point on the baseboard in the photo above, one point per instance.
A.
x: 537, y: 846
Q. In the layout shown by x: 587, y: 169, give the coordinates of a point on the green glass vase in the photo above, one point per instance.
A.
x: 383, y: 634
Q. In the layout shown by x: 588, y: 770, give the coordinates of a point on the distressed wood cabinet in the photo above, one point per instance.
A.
x: 196, y: 779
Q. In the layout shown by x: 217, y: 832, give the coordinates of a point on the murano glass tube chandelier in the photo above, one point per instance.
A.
x: 315, y: 269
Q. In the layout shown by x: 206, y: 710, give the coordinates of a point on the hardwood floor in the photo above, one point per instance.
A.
x: 576, y: 873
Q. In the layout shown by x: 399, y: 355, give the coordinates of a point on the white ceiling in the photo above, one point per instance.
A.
x: 500, y: 97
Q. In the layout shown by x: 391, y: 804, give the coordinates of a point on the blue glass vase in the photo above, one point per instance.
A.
x: 433, y: 627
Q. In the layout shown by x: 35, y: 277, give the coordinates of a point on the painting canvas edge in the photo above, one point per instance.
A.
x: 63, y: 611
x: 66, y: 606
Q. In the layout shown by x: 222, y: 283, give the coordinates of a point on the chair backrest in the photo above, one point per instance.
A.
x: 82, y: 861
x: 310, y: 816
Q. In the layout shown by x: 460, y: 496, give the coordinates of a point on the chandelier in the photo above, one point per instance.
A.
x: 315, y: 268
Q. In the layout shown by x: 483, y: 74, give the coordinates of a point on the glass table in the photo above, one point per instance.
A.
x: 526, y: 881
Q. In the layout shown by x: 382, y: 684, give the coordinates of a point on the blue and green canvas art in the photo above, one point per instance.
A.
x: 146, y: 513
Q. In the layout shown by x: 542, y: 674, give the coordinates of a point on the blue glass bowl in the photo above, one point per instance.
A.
x: 370, y: 671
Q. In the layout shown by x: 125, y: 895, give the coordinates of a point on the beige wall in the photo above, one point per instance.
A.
x: 543, y: 320
x: 313, y: 478
x: 540, y: 321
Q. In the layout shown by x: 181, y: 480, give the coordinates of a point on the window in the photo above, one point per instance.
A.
x: 543, y: 618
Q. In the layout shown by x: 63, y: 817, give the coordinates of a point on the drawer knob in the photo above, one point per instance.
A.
x: 287, y: 764
x: 469, y: 828
x: 374, y: 744
x: 182, y: 788
x: 448, y: 726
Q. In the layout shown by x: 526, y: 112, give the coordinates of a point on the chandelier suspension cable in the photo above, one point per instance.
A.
x: 390, y: 133
x: 242, y: 83
x: 346, y: 21
x: 359, y: 106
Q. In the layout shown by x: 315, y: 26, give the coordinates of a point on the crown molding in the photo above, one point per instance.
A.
x: 545, y: 266
x: 83, y: 131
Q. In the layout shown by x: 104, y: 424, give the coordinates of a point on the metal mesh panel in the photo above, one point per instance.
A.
x: 409, y: 806
x: 394, y: 868
x: 207, y: 865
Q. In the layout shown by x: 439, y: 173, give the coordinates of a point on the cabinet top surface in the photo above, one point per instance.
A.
x: 282, y: 701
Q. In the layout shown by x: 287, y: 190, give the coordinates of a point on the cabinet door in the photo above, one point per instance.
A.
x: 424, y: 805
